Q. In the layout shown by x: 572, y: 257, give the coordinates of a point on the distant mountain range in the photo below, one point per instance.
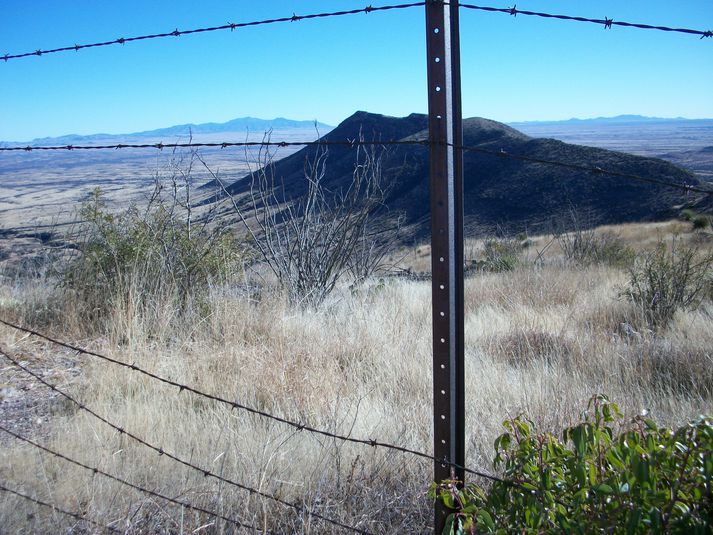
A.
x: 500, y: 192
x: 256, y: 125
x: 619, y: 119
x: 241, y: 125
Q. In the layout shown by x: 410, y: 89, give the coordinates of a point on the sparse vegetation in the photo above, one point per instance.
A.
x: 312, y: 242
x: 540, y: 339
x: 698, y: 221
x: 668, y: 279
x: 687, y: 214
x: 701, y: 222
x: 584, y: 245
x: 500, y: 254
x: 139, y: 258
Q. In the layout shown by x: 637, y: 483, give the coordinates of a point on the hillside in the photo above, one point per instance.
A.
x: 499, y: 192
x: 683, y: 142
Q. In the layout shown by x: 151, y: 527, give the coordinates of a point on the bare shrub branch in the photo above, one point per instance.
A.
x: 312, y: 240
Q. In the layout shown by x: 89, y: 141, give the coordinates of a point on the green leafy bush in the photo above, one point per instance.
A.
x: 600, y: 478
x: 666, y: 280
x: 143, y: 257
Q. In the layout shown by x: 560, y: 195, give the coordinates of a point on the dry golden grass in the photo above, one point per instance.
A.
x: 539, y: 340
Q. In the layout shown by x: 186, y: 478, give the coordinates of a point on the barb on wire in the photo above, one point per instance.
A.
x: 299, y: 427
x: 589, y: 169
x: 161, y: 451
x: 229, y: 26
x: 222, y: 145
x: 235, y: 405
x: 76, y: 516
x: 606, y: 22
x: 95, y: 470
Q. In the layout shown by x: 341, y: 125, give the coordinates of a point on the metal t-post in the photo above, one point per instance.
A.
x: 446, y: 167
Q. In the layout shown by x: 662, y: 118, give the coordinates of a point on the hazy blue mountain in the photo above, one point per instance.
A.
x: 619, y: 119
x: 241, y: 125
x: 251, y: 124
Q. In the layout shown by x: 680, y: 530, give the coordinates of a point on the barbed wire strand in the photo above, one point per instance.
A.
x: 595, y: 169
x: 606, y: 22
x: 229, y: 26
x: 162, y: 452
x: 221, y: 145
x: 207, y: 473
x: 76, y: 516
x: 95, y: 470
x: 356, y: 143
x: 235, y: 405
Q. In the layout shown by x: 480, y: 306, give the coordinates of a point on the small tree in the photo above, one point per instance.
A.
x: 312, y: 241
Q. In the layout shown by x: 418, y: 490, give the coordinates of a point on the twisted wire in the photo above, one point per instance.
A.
x: 162, y: 452
x: 606, y: 22
x: 95, y: 470
x: 76, y: 516
x: 356, y: 143
x: 229, y: 26
x: 235, y: 405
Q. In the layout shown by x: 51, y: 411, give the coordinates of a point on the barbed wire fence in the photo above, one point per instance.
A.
x: 607, y: 23
x: 501, y: 153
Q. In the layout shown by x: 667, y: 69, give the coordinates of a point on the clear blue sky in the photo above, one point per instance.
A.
x: 514, y: 69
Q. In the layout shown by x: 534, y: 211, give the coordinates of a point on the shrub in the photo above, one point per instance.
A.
x: 142, y: 257
x: 666, y: 280
x: 640, y: 479
x: 314, y: 239
x: 501, y: 255
x: 687, y: 214
x: 701, y: 222
x: 611, y: 250
x: 584, y: 247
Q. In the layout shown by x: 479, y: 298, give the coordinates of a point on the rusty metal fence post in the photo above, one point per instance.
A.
x: 446, y: 182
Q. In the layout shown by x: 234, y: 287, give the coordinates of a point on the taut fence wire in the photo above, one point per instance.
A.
x: 229, y: 26
x: 607, y: 23
x: 98, y: 471
x: 162, y: 452
x: 219, y: 145
x: 207, y: 473
x: 77, y: 516
x: 597, y: 170
x: 239, y: 406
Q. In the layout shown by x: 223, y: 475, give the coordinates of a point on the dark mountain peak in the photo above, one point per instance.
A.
x: 507, y: 193
x: 374, y: 126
